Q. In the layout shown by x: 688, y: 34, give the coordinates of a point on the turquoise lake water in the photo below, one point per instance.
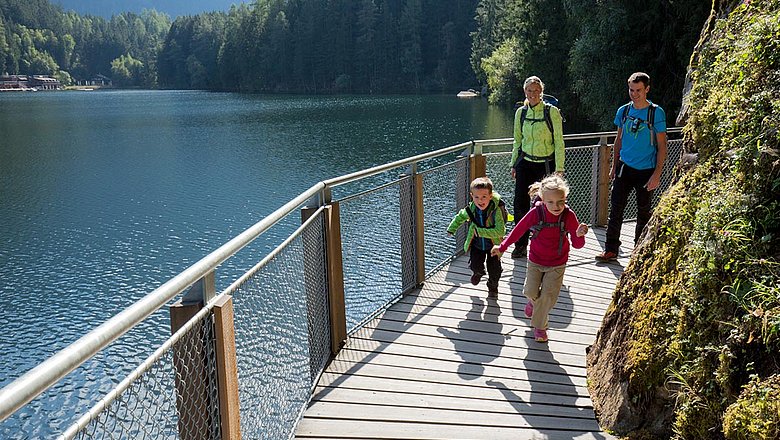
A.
x: 105, y: 195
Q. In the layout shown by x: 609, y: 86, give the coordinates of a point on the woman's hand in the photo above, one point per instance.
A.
x: 513, y: 173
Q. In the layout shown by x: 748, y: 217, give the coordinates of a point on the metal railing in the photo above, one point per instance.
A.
x: 245, y: 360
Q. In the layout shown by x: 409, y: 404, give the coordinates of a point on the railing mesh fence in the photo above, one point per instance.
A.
x: 581, y: 171
x: 282, y: 334
x: 441, y: 187
x: 173, y: 397
x: 371, y: 243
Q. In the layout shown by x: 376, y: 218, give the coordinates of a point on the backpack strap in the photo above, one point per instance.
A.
x: 548, y: 120
x: 488, y: 213
x: 650, y: 120
x: 560, y: 225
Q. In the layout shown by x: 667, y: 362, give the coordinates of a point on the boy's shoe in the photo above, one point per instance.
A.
x: 607, y: 256
x: 540, y: 335
x: 529, y: 309
x: 519, y: 252
x: 475, y: 278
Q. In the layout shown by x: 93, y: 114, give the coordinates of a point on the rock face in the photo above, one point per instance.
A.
x: 679, y: 342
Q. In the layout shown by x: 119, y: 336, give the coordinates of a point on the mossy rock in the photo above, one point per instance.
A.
x: 695, y: 318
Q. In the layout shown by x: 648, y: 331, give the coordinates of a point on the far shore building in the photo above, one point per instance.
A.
x: 28, y: 83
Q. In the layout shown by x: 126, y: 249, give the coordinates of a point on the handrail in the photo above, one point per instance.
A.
x: 389, y: 166
x: 567, y: 137
x: 24, y: 389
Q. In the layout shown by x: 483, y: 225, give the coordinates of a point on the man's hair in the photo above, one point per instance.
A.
x: 640, y: 77
x: 481, y: 183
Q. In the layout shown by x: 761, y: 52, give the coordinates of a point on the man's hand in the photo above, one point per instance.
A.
x: 654, y: 182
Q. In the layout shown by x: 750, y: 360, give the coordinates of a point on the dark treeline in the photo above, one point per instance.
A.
x: 583, y: 49
x: 314, y: 46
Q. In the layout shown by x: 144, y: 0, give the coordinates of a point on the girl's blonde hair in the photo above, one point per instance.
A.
x: 553, y: 182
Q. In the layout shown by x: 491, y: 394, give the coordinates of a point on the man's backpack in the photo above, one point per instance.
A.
x: 650, y: 120
x: 541, y: 224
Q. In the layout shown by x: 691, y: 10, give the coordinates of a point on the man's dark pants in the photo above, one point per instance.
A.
x: 627, y: 179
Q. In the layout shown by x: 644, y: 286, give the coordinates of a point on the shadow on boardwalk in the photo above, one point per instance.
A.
x: 447, y: 362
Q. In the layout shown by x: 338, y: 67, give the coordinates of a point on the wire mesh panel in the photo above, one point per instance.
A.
x: 581, y: 178
x: 282, y: 340
x: 440, y: 193
x: 498, y: 169
x: 371, y: 250
x: 174, y: 397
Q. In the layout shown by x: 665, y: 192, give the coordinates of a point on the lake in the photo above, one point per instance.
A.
x: 105, y: 195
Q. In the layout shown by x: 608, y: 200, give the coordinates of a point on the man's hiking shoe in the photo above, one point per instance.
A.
x: 519, y: 252
x: 606, y: 256
x: 529, y: 309
x: 540, y: 335
x: 475, y: 278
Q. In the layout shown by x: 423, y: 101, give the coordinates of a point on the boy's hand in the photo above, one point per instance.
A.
x: 582, y: 229
x: 495, y: 252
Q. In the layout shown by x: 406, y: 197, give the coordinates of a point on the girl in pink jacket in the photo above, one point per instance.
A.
x: 552, y: 224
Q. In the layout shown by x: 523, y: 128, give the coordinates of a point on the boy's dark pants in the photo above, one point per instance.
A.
x: 477, y: 265
x: 526, y: 174
x: 626, y: 179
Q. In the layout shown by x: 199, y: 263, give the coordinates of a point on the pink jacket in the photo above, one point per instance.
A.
x: 544, y: 247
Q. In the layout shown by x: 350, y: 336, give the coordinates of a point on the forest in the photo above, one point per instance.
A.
x: 583, y: 49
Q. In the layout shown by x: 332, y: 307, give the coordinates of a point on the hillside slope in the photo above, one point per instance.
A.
x: 690, y: 347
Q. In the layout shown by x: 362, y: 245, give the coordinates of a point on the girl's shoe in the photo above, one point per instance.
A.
x: 540, y: 335
x: 529, y: 309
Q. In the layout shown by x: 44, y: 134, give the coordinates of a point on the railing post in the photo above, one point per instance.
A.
x: 413, y: 228
x: 227, y: 369
x: 191, y: 363
x: 335, y: 269
x: 477, y: 163
x: 602, y: 200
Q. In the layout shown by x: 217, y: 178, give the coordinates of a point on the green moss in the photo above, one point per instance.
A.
x: 756, y: 414
x: 701, y: 300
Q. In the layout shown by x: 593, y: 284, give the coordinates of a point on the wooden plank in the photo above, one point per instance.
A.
x: 345, y: 411
x: 548, y: 394
x: 312, y: 428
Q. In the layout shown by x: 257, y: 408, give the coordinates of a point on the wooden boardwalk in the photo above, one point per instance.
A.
x: 447, y: 363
